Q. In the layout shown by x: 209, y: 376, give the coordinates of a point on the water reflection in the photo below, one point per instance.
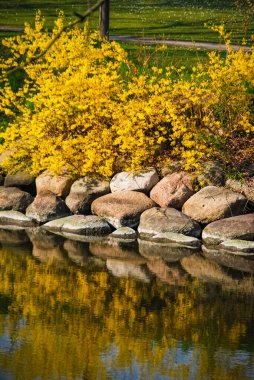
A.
x: 100, y: 310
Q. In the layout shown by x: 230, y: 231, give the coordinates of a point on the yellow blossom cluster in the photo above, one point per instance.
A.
x: 83, y: 106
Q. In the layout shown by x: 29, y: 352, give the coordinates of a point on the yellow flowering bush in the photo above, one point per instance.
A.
x: 84, y: 107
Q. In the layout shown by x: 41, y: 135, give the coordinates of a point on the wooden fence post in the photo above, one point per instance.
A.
x: 104, y: 19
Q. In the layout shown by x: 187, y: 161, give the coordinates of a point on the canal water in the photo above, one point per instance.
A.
x: 87, y: 310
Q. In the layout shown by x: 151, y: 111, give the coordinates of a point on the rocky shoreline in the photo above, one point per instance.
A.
x: 160, y: 214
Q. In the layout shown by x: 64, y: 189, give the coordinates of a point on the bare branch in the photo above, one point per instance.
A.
x: 81, y: 18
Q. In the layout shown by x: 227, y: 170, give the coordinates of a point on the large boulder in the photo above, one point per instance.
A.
x: 143, y: 181
x: 14, y: 199
x: 83, y: 192
x: 122, y: 208
x: 245, y: 187
x: 238, y: 227
x: 22, y: 180
x: 159, y: 220
x: 212, y: 203
x: 57, y: 184
x: 46, y: 207
x: 173, y: 190
x: 80, y: 224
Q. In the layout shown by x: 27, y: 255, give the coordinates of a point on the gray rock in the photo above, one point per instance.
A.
x: 83, y: 192
x: 15, y: 218
x: 57, y: 184
x: 122, y: 208
x: 124, y: 233
x: 80, y: 224
x: 143, y: 181
x: 238, y: 227
x: 245, y: 187
x: 173, y: 190
x: 172, y: 237
x: 238, y: 247
x: 46, y: 207
x: 169, y: 252
x: 14, y: 199
x: 159, y: 220
x: 212, y: 203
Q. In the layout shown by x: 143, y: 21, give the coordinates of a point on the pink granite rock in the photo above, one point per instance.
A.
x: 173, y: 190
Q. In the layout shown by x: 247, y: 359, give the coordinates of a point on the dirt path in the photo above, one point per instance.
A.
x: 152, y: 41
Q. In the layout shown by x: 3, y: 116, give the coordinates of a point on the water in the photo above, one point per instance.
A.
x: 80, y: 310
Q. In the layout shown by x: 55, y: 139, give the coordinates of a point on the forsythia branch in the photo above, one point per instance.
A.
x: 80, y: 19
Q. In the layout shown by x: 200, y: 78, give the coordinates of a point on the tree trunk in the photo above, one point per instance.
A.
x: 104, y: 19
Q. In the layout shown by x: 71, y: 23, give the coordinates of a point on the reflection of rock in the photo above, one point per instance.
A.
x: 208, y: 271
x: 128, y: 268
x: 77, y: 251
x: 117, y: 249
x: 172, y: 275
x: 13, y: 237
x: 238, y: 247
x: 229, y: 260
x: 76, y: 237
x: 168, y: 252
x: 47, y: 247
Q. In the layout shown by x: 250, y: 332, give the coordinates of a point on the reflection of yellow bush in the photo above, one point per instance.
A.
x: 84, y: 106
x: 74, y: 316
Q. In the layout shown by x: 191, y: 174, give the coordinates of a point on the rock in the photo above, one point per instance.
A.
x: 57, y: 184
x: 238, y: 247
x: 172, y: 274
x: 124, y: 233
x: 80, y: 224
x: 122, y: 208
x: 159, y: 220
x: 46, y: 207
x: 22, y: 180
x: 245, y: 187
x: 14, y: 199
x: 168, y: 252
x: 212, y: 203
x: 143, y: 181
x: 83, y: 192
x: 128, y: 269
x: 15, y: 218
x: 213, y: 174
x: 172, y: 167
x: 109, y: 248
x: 238, y: 227
x: 172, y: 237
x: 173, y: 190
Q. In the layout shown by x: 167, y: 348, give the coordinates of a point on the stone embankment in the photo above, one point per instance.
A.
x: 159, y: 214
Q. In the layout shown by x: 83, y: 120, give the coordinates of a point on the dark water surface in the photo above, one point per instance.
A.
x: 100, y: 310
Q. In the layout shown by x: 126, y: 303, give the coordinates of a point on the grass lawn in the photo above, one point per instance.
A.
x: 173, y: 19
